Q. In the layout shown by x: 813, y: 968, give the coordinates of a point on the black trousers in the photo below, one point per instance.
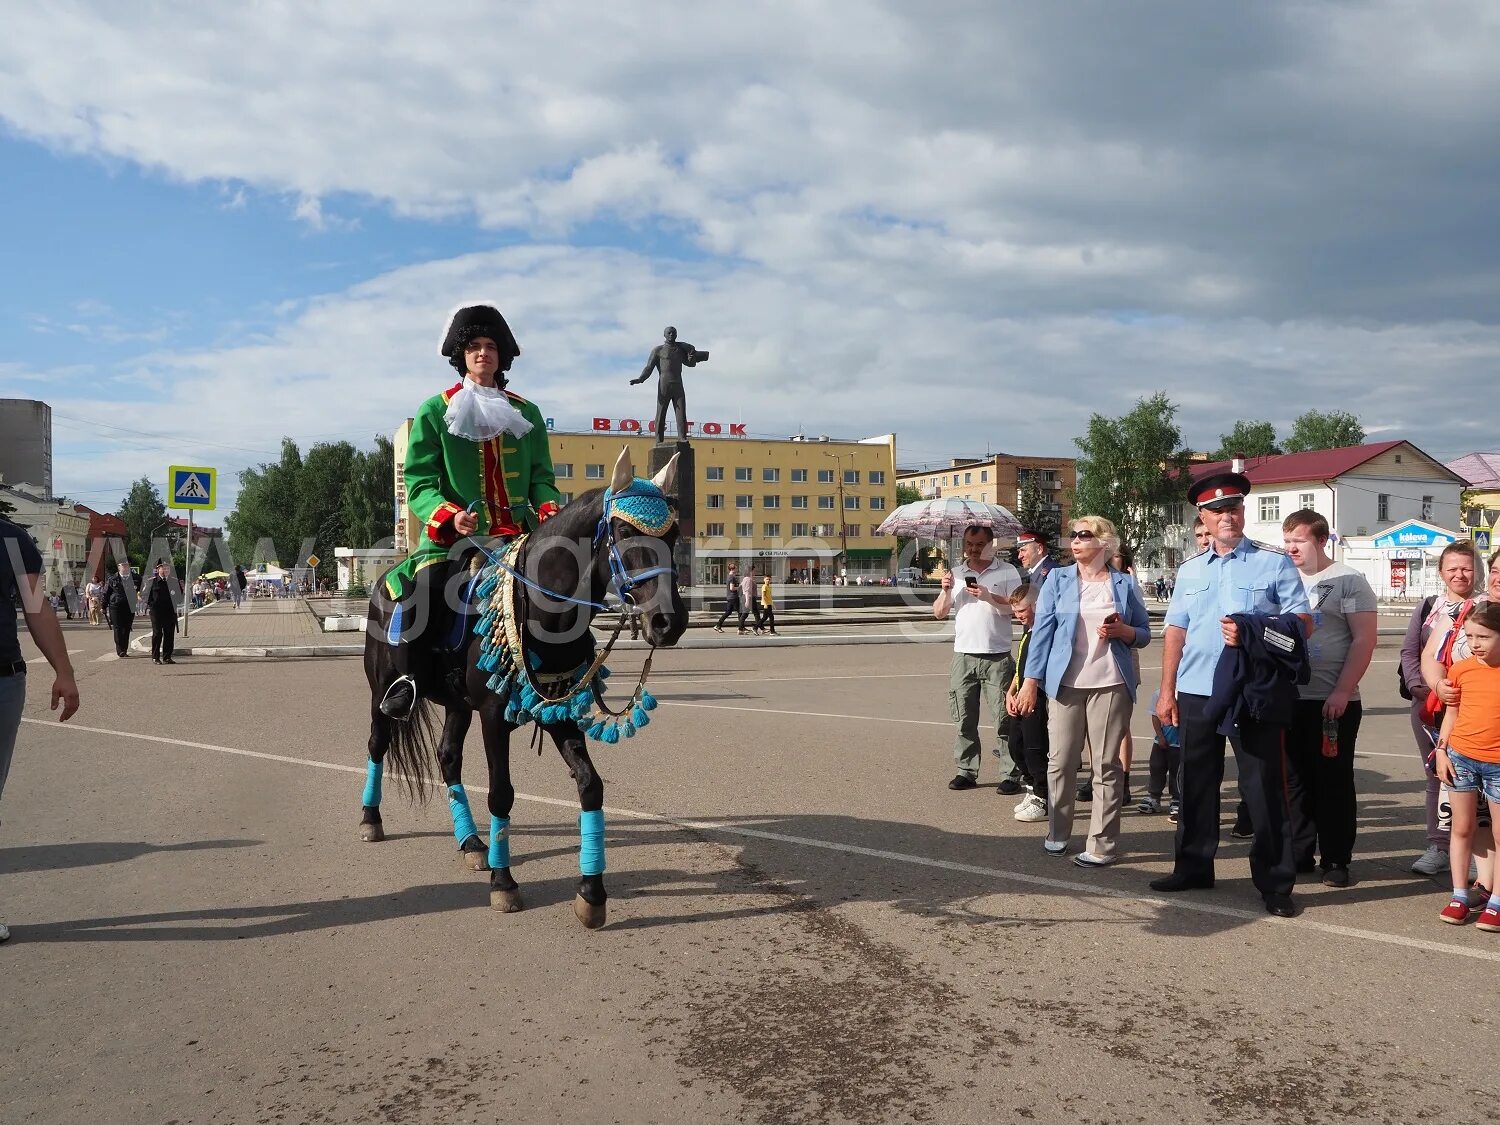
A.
x: 1165, y: 768
x: 747, y: 610
x: 1260, y: 759
x: 121, y: 624
x: 1320, y: 790
x: 163, y: 639
x: 1029, y: 746
x: 731, y: 606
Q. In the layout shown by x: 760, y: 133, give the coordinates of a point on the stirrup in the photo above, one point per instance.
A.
x: 392, y: 705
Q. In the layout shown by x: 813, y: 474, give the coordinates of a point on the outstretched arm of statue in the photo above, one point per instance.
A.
x: 647, y: 370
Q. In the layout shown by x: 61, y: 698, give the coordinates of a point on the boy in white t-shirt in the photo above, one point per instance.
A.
x: 1320, y: 741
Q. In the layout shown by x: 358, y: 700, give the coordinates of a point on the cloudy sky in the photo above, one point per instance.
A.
x: 970, y: 223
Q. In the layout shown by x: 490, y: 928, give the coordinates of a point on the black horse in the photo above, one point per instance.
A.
x: 621, y: 538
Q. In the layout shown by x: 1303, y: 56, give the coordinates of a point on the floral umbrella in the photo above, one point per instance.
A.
x: 946, y: 518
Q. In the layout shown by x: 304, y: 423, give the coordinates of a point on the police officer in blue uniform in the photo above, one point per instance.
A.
x: 1234, y: 575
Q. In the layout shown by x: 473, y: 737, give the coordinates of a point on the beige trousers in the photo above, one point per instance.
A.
x: 1103, y: 716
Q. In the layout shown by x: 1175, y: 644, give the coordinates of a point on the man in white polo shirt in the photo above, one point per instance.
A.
x: 977, y: 592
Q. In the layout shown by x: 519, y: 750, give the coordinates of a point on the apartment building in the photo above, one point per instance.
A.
x: 999, y: 480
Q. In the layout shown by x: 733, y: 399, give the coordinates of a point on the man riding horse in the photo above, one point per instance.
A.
x: 477, y: 463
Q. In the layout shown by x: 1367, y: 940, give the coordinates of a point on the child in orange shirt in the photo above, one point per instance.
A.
x: 1468, y: 753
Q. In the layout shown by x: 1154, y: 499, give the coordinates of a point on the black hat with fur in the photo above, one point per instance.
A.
x: 474, y: 321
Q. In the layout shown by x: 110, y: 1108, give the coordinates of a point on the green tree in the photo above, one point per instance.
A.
x: 268, y: 508
x: 369, y: 497
x: 1035, y: 514
x: 143, y: 512
x: 1316, y: 429
x: 324, y: 478
x: 1131, y: 469
x: 906, y: 493
x: 1247, y: 439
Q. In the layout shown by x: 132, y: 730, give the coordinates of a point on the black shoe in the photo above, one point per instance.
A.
x: 1009, y: 786
x: 1336, y: 875
x: 1281, y: 905
x: 962, y: 781
x: 1085, y: 794
x: 1180, y: 882
x: 1306, y: 867
x: 1242, y: 829
x: 400, y: 698
x: 168, y: 660
x: 156, y: 660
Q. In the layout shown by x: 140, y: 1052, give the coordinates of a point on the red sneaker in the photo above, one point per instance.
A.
x: 1489, y: 920
x: 1456, y: 913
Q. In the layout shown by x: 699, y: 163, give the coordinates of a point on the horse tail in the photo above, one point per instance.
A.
x: 413, y: 751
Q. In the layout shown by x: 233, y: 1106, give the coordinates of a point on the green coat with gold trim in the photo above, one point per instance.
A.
x: 446, y: 474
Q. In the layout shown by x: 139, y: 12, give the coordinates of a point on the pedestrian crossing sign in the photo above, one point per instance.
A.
x: 192, y: 486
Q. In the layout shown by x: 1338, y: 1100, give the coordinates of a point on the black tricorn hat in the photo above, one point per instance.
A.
x: 478, y: 320
x: 1219, y: 490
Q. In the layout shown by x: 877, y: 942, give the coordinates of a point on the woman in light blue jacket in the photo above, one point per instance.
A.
x: 1088, y: 620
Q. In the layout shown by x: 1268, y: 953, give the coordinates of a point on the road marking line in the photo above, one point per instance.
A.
x: 43, y: 659
x: 729, y: 829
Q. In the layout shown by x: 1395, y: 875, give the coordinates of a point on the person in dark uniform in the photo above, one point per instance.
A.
x: 161, y: 607
x: 1235, y: 575
x: 119, y: 607
x: 668, y: 359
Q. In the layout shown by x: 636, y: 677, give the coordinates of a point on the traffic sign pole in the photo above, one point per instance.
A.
x: 187, y: 575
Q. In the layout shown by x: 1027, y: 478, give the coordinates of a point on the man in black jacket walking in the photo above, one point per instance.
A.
x: 161, y: 606
x: 119, y: 607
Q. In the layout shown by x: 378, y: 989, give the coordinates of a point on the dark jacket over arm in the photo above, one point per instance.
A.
x: 1257, y: 678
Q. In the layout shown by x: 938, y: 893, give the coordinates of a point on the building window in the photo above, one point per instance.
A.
x: 1427, y: 507
x: 851, y: 531
x: 851, y: 503
x: 593, y: 472
x: 877, y: 476
x: 851, y: 476
x: 825, y: 502
x: 1270, y: 508
x: 874, y: 531
x: 877, y: 503
x: 562, y: 470
x: 567, y: 498
x: 714, y: 472
x: 770, y: 476
x: 714, y: 500
x: 1383, y: 507
x: 1305, y: 501
x: 968, y: 478
x: 743, y: 501
x: 745, y: 530
x: 743, y: 473
x: 770, y: 501
x: 984, y: 476
x: 799, y: 501
x: 823, y: 529
x: 714, y: 529
x: 799, y: 530
x: 1049, y: 476
x: 825, y: 476
x: 799, y: 476
x: 955, y: 478
x: 771, y: 530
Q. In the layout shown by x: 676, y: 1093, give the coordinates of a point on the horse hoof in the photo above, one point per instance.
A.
x: 372, y: 833
x: 475, y: 861
x: 507, y: 902
x: 590, y: 915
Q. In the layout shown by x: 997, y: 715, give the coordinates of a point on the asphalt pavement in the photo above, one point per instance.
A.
x: 805, y: 923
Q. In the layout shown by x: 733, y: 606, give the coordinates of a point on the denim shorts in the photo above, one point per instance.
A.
x: 1470, y: 775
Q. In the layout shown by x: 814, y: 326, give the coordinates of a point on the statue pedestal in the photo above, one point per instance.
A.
x: 687, y: 504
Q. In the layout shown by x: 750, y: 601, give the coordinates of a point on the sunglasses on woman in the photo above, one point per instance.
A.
x: 1083, y: 535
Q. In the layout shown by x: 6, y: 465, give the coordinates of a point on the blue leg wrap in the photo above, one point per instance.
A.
x: 591, y: 842
x: 374, y: 771
x: 499, y: 842
x: 463, y: 819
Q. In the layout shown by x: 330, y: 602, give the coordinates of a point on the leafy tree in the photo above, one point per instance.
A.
x: 1247, y: 439
x: 143, y: 512
x: 1132, y: 468
x: 369, y: 495
x: 325, y: 477
x: 907, y: 493
x: 268, y: 507
x: 1035, y: 514
x: 1318, y: 430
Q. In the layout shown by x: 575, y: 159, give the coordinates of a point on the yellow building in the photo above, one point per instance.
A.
x: 1000, y: 480
x: 803, y: 508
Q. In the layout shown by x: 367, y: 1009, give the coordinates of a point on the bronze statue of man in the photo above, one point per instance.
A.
x: 668, y: 359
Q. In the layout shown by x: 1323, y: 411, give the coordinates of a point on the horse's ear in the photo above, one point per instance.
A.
x: 624, y: 472
x: 666, y: 480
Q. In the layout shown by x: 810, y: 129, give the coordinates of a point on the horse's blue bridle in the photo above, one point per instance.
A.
x: 640, y: 504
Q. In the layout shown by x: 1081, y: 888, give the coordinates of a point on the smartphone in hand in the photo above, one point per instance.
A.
x: 1112, y: 618
x: 971, y: 582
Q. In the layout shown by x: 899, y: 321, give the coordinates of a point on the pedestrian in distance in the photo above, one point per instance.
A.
x: 1089, y: 620
x: 731, y: 597
x: 119, y: 607
x: 767, y: 607
x: 1241, y: 577
x: 1320, y: 741
x: 977, y: 593
x: 20, y: 581
x: 1467, y: 755
x: 161, y: 608
x: 750, y: 599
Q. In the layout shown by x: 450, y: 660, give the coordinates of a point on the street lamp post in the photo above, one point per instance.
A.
x: 838, y: 459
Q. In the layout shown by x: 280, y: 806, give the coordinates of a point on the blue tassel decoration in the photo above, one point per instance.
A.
x: 604, y: 673
x: 628, y: 728
x: 648, y: 701
x: 611, y: 734
x: 639, y: 717
x: 596, y: 732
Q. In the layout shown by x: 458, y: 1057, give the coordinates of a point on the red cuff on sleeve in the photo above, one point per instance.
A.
x: 440, y: 523
x: 546, y: 512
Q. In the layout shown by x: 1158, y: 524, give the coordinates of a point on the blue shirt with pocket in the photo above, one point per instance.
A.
x: 1249, y: 579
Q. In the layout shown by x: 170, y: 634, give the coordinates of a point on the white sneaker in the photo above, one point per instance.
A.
x: 1434, y: 861
x: 1089, y: 859
x: 1055, y: 847
x: 4, y: 933
x: 1031, y: 809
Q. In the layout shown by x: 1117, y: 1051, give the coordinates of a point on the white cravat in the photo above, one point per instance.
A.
x: 479, y: 413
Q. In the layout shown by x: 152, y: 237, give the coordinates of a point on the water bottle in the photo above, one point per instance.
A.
x: 1330, y: 737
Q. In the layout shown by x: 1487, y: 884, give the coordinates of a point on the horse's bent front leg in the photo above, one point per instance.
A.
x: 451, y: 759
x: 589, y: 904
x: 505, y: 895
